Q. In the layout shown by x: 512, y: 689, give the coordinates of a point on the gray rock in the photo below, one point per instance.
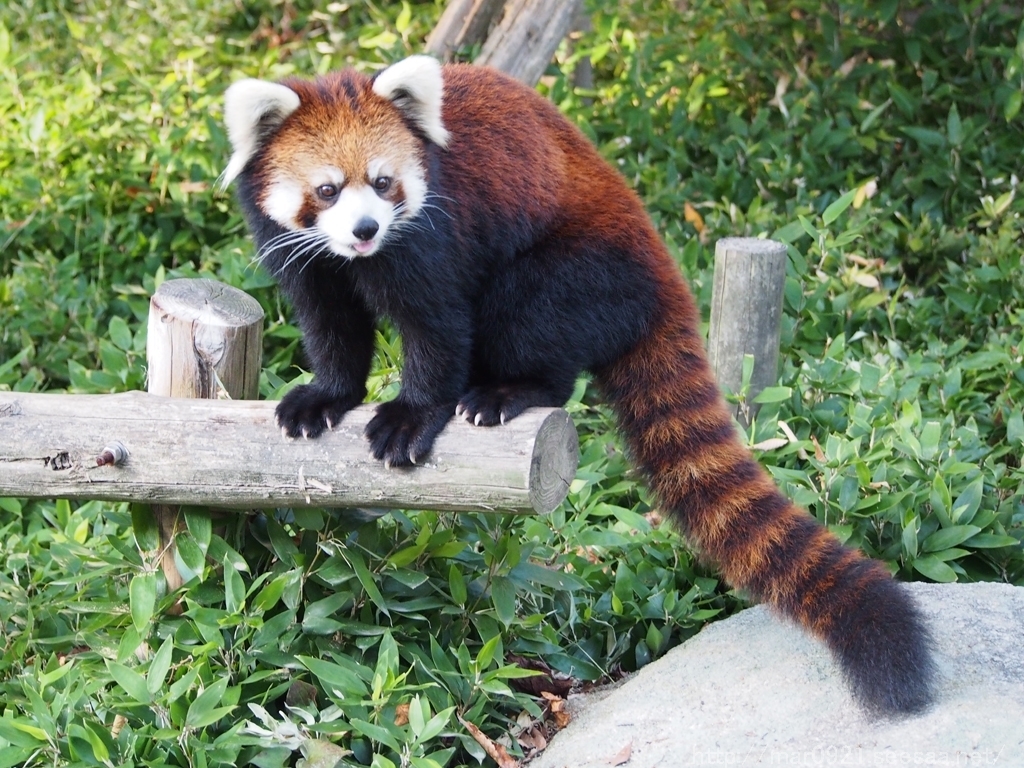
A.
x: 754, y: 690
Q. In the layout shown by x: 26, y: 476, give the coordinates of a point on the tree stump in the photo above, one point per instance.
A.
x: 204, y: 340
x: 746, y: 315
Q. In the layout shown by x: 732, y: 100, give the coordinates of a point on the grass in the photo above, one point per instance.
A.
x: 880, y: 142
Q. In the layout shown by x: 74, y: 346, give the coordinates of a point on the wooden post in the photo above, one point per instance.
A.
x: 204, y: 340
x: 527, y: 36
x: 520, y: 43
x: 463, y: 24
x: 746, y: 315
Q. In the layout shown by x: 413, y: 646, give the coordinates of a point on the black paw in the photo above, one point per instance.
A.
x: 307, y: 410
x: 401, y: 434
x: 487, y: 406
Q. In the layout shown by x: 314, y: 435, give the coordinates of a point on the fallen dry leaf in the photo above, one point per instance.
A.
x: 770, y: 444
x: 494, y: 751
x: 532, y: 739
x: 623, y: 755
x: 818, y: 453
x: 402, y: 714
x: 692, y: 216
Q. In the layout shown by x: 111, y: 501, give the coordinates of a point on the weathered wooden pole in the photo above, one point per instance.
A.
x: 230, y: 454
x: 527, y: 36
x: 746, y: 315
x: 204, y: 340
x: 463, y: 24
x: 519, y: 36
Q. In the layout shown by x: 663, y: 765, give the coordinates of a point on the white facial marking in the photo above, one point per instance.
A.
x: 415, y: 188
x: 377, y: 168
x: 283, y: 202
x: 354, y: 204
x: 328, y: 175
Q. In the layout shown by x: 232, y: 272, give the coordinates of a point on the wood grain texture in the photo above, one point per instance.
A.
x: 204, y: 340
x: 527, y: 36
x: 746, y: 313
x: 463, y: 24
x: 230, y: 454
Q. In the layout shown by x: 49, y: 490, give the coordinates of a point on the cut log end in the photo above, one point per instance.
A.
x: 556, y: 456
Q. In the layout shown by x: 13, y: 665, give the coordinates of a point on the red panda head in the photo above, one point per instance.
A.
x: 341, y: 158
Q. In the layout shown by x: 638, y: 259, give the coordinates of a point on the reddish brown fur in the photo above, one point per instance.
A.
x: 342, y: 134
x: 514, y: 160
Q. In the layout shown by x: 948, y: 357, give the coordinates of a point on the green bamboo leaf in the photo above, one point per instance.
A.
x: 159, y: 666
x: 457, y: 585
x: 417, y: 719
x: 954, y: 128
x: 119, y: 332
x: 234, y: 590
x: 204, y: 710
x: 944, y: 538
x: 873, y: 116
x: 198, y: 523
x: 967, y: 503
x: 130, y: 681
x: 503, y: 597
x: 145, y: 528
x: 774, y: 395
x: 267, y: 597
x: 934, y: 569
x: 376, y: 732
x: 836, y: 208
x: 335, y: 677
x: 21, y: 733
x: 355, y: 559
x: 925, y: 136
x: 486, y: 655
x: 436, y: 724
x: 809, y: 228
x: 991, y: 541
x: 1013, y: 105
x: 142, y: 599
x: 191, y: 556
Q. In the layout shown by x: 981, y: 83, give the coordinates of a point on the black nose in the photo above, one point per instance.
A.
x: 365, y: 228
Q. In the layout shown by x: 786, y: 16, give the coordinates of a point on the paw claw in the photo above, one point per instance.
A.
x: 479, y: 419
x: 459, y: 410
x: 502, y: 418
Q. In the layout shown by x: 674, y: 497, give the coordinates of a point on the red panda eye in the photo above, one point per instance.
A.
x: 382, y: 183
x: 327, y: 191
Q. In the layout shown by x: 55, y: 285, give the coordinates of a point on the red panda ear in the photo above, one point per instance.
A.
x: 415, y: 85
x: 253, y: 109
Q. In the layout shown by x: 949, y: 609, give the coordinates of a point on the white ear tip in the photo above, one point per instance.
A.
x: 247, y: 104
x: 416, y: 86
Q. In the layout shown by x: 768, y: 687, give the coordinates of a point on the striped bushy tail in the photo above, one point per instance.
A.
x: 681, y: 435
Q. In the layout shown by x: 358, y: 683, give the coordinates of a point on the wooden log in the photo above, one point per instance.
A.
x: 527, y: 36
x: 746, y: 315
x: 463, y: 24
x: 229, y: 453
x: 204, y: 340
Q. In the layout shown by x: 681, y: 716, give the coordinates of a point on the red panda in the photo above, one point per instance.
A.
x: 511, y: 257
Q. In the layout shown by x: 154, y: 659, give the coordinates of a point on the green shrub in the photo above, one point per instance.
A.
x: 879, y: 141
